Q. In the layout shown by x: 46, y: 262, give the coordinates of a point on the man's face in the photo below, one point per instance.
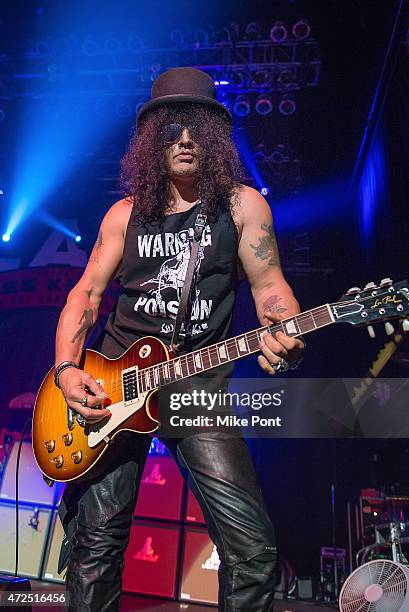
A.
x: 182, y: 156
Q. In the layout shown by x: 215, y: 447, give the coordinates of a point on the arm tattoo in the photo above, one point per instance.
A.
x: 267, y: 248
x: 272, y: 304
x: 85, y: 323
x: 97, y: 246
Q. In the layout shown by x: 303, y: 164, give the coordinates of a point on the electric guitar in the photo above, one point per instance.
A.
x: 66, y: 447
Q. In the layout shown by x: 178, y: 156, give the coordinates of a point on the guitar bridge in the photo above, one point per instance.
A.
x: 130, y: 389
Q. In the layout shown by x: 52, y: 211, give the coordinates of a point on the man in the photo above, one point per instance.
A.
x: 182, y: 154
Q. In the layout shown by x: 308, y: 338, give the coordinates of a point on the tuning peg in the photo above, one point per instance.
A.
x: 353, y: 290
x: 389, y: 328
x: 405, y: 325
x: 371, y: 331
x: 386, y: 281
x: 370, y: 286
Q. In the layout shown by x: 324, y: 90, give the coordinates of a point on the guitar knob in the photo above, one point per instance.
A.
x: 58, y: 460
x: 50, y: 445
x: 371, y: 331
x: 390, y: 330
x: 385, y: 282
x: 67, y: 438
x: 370, y: 286
x: 405, y: 325
x: 77, y: 456
x: 353, y: 290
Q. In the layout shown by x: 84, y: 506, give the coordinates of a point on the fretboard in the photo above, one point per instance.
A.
x: 229, y: 350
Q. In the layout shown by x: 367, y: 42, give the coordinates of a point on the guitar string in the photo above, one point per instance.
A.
x: 116, y: 384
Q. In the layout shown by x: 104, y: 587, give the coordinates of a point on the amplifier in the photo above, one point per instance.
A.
x: 31, y: 485
x: 193, y: 512
x: 50, y: 571
x: 199, y: 581
x: 151, y: 559
x: 161, y: 490
x: 33, y: 531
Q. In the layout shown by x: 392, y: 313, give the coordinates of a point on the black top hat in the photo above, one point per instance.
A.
x: 183, y: 86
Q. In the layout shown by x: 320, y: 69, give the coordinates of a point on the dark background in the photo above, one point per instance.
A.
x: 325, y: 134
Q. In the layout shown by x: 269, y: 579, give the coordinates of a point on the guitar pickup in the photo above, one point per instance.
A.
x: 130, y: 387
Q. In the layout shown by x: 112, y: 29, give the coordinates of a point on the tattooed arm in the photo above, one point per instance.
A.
x: 260, y: 259
x: 81, y: 310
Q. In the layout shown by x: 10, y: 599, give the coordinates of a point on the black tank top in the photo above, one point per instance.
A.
x: 152, y: 272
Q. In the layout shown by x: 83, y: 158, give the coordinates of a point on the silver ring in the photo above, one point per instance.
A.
x: 281, y: 366
x: 84, y: 401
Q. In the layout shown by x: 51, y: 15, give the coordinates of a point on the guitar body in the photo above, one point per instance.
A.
x: 62, y: 449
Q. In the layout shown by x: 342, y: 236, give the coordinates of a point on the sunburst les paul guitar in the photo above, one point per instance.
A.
x: 66, y: 447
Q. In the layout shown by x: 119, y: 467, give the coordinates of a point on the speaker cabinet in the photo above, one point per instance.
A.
x: 201, y: 562
x: 161, y: 490
x: 193, y: 512
x: 33, y: 531
x: 50, y: 571
x: 32, y: 487
x: 151, y: 559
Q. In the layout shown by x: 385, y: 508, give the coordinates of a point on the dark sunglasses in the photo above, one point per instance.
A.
x: 172, y: 132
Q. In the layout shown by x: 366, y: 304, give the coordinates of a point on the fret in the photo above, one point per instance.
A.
x: 222, y: 351
x: 307, y: 323
x: 155, y: 377
x: 206, y: 358
x: 178, y: 368
x: 166, y: 372
x: 184, y: 366
x: 290, y: 327
x: 312, y: 315
x: 198, y: 361
x: 146, y: 380
x: 190, y: 364
x: 213, y: 356
x: 253, y: 341
x: 232, y: 349
x: 141, y: 383
x: 242, y: 344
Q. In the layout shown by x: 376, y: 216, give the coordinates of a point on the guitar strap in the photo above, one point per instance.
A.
x: 181, y: 315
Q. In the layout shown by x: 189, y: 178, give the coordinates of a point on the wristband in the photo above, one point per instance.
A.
x: 60, y: 368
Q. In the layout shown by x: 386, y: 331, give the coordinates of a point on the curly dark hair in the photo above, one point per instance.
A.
x: 144, y: 176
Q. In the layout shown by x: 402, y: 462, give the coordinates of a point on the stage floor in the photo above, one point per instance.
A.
x: 131, y: 603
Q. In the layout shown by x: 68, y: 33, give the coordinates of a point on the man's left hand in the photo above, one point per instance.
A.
x: 278, y: 347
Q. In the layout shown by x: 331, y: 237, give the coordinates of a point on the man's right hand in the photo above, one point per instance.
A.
x: 76, y: 385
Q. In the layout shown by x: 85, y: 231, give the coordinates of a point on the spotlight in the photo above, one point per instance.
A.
x: 77, y: 238
x: 301, y: 29
x: 279, y: 32
x: 201, y: 37
x: 260, y: 153
x: 112, y: 44
x: 286, y: 77
x: 264, y: 191
x: 123, y: 110
x: 6, y: 237
x: 241, y: 106
x: 1, y: 192
x: 287, y: 105
x: 252, y: 31
x: 134, y: 43
x: 264, y: 105
x: 261, y: 78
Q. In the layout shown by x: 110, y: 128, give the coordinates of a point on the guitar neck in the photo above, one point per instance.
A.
x: 230, y: 350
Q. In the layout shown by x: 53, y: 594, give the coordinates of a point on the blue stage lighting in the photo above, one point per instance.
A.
x: 1, y: 192
x: 241, y: 106
x: 78, y: 238
x: 264, y: 191
x: 6, y: 237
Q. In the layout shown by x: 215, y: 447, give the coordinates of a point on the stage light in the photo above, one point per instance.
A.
x: 238, y: 78
x: 112, y: 44
x: 201, y: 37
x: 90, y: 47
x: 6, y: 237
x: 260, y: 153
x: 241, y: 106
x: 264, y: 191
x: 286, y: 77
x: 287, y: 105
x: 1, y: 192
x: 301, y: 29
x: 264, y: 105
x: 135, y: 43
x: 278, y: 155
x: 279, y: 32
x: 261, y: 78
x: 217, y: 83
x: 176, y: 36
x: 78, y: 238
x: 252, y: 31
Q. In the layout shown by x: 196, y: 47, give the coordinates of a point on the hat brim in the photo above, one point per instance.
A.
x: 182, y: 99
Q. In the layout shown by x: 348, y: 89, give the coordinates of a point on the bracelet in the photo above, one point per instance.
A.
x: 60, y: 368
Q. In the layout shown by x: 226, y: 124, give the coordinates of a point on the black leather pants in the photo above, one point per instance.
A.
x: 97, y: 516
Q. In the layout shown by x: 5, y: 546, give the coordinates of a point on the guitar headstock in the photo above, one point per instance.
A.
x: 373, y: 303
